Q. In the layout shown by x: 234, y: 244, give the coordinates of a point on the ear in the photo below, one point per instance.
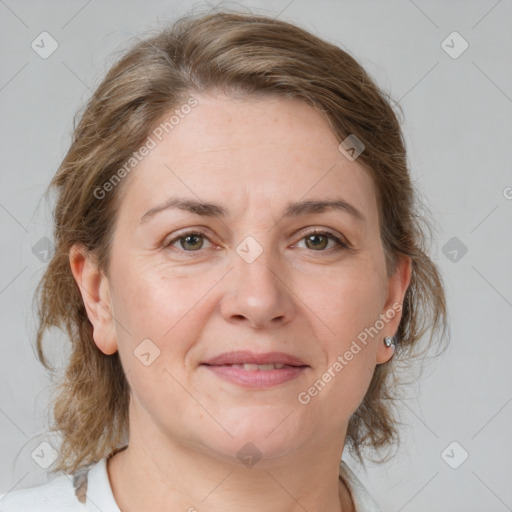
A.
x: 95, y: 290
x: 392, y: 311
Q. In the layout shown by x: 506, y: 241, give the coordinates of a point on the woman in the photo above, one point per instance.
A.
x: 239, y: 267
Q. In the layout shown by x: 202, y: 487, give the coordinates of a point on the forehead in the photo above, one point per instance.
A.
x: 249, y: 152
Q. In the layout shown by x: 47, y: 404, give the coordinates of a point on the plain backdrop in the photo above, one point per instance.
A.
x: 457, y: 445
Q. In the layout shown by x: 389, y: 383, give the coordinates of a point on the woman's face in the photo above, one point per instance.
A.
x: 190, y: 283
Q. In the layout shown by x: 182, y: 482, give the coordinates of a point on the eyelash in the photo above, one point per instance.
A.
x: 341, y: 243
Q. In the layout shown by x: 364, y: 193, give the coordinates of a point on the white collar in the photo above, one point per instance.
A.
x: 100, y: 495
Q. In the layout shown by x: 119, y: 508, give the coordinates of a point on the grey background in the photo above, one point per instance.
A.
x: 458, y: 127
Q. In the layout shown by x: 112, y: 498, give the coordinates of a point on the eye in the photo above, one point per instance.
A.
x: 190, y: 241
x: 318, y: 240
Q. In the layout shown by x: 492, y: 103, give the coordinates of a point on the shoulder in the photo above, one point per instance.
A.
x: 61, y: 494
x: 363, y: 501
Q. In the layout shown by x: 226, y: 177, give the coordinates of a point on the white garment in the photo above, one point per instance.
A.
x: 61, y: 494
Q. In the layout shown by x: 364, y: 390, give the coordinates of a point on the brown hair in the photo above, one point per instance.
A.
x: 246, y: 55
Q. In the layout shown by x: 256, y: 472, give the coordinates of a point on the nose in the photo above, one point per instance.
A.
x: 258, y: 294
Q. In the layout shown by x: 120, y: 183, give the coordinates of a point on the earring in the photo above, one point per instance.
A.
x: 389, y: 341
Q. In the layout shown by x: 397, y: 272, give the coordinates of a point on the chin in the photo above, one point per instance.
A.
x: 251, y: 451
x: 258, y: 434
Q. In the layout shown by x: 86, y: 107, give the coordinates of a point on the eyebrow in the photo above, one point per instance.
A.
x: 295, y: 209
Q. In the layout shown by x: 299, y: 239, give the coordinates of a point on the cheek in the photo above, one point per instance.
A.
x: 159, y: 326
x: 354, y: 298
x: 150, y: 306
x: 351, y: 352
x: 352, y: 305
x: 155, y: 299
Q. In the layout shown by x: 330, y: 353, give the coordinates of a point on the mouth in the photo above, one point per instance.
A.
x: 263, y: 361
x: 252, y: 370
x: 259, y: 367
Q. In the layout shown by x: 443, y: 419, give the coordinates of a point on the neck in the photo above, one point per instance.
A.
x: 159, y: 475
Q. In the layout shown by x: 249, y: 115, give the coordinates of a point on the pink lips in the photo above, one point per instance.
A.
x: 255, y: 378
x: 244, y: 356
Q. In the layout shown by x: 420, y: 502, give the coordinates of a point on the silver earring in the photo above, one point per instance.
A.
x: 388, y: 341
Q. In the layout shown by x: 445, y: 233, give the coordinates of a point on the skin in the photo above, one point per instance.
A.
x: 252, y: 156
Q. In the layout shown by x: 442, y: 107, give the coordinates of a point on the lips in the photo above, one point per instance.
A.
x: 256, y: 371
x: 252, y: 361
